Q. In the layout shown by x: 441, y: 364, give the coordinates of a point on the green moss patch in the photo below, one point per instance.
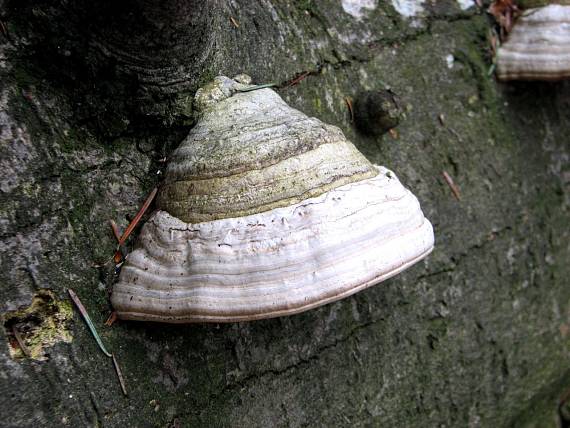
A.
x: 32, y: 329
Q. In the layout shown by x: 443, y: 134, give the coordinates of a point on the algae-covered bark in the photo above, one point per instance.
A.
x: 94, y: 98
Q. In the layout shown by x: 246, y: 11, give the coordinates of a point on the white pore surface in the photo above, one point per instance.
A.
x: 277, y: 262
x: 538, y: 46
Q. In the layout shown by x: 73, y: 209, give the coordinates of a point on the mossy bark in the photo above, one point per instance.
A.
x: 94, y: 97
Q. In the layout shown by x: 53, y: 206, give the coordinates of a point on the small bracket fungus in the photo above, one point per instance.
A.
x: 266, y: 212
x: 537, y: 47
x: 376, y: 112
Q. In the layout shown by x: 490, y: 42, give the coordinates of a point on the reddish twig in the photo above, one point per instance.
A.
x: 138, y: 217
x: 111, y: 320
x: 119, y: 375
x: 297, y: 79
x: 118, y: 256
x: 452, y: 185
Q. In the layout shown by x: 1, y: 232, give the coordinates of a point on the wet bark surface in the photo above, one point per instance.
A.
x: 94, y: 97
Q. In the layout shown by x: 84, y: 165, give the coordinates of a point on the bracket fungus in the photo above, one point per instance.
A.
x: 266, y: 212
x: 538, y: 47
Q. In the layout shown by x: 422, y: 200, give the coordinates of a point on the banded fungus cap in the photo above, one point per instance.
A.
x: 265, y: 212
x: 538, y: 47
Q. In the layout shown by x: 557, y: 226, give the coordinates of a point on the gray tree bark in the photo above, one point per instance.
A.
x: 94, y: 95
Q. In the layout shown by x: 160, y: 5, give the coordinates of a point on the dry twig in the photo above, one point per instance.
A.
x: 138, y: 217
x: 452, y: 185
x: 119, y: 375
x: 118, y: 256
x: 297, y: 79
x: 20, y: 341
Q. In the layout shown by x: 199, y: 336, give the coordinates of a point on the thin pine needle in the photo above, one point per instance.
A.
x: 118, y: 256
x: 85, y: 316
x: 452, y: 185
x: 256, y: 87
x: 119, y: 375
x: 20, y: 341
x: 297, y: 79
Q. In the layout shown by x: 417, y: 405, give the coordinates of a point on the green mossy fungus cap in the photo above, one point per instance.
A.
x: 250, y: 152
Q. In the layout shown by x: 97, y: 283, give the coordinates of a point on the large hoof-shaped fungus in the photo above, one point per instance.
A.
x: 266, y: 212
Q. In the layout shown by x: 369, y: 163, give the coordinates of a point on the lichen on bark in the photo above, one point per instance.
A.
x: 35, y: 328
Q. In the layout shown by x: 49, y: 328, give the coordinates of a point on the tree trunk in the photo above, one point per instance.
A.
x: 93, y: 96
